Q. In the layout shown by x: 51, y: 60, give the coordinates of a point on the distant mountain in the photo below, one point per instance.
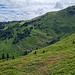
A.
x: 58, y: 5
x: 18, y: 36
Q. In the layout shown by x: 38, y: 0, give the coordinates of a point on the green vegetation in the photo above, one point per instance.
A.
x: 7, y: 56
x: 35, y: 52
x: 58, y: 59
x: 53, y: 32
x: 16, y: 37
x: 3, y: 56
x: 13, y: 57
x: 25, y: 53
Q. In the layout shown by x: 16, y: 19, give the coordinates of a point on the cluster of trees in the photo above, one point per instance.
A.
x: 71, y: 10
x: 7, y: 56
x: 53, y: 41
x: 30, y: 22
x: 20, y: 36
x: 58, y: 28
x: 40, y: 26
x: 6, y: 33
x: 1, y: 25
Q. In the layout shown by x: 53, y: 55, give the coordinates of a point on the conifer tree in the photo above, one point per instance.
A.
x: 3, y: 56
x: 7, y: 56
x: 13, y: 57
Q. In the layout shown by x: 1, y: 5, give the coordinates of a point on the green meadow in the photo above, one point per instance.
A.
x: 44, y: 45
x: 57, y: 59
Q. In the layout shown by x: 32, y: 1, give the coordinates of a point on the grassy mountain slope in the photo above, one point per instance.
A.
x: 57, y: 59
x: 16, y: 37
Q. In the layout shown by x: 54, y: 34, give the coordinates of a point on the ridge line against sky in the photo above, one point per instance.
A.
x: 26, y: 9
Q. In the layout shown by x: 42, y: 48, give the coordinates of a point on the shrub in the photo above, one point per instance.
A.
x: 73, y: 42
x: 35, y: 52
x: 43, y: 51
x: 25, y: 53
x: 13, y: 57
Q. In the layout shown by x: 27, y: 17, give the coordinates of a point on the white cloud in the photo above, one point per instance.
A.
x: 27, y: 9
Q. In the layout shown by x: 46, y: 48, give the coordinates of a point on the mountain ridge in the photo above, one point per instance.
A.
x: 55, y: 59
x: 36, y: 33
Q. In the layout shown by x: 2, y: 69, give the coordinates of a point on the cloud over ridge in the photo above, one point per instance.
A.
x: 27, y: 9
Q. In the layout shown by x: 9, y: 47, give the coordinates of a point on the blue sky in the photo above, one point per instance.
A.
x: 27, y: 9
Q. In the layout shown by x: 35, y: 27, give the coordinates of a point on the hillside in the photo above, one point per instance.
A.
x: 16, y: 37
x: 57, y: 59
